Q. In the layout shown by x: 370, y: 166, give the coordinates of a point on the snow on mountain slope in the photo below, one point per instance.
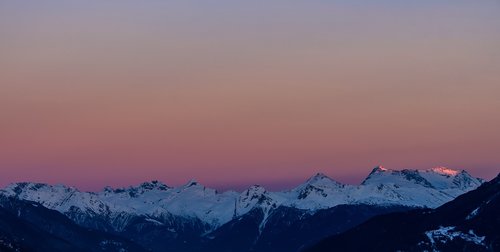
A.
x: 318, y: 192
x: 428, y: 188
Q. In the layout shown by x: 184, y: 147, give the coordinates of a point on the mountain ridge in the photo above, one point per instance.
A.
x: 193, y: 200
x: 192, y: 216
x: 154, y: 183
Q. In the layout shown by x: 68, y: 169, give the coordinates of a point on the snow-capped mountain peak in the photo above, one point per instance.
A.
x: 315, y: 190
x: 255, y: 193
x: 445, y: 171
x: 434, y: 177
x: 149, y: 186
x: 256, y: 189
x: 376, y: 172
x: 320, y: 179
x: 155, y: 184
x: 379, y: 168
x: 192, y: 182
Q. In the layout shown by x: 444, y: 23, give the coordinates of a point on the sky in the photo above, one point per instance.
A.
x: 234, y: 93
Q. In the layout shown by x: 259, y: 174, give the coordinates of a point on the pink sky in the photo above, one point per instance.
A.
x: 232, y: 94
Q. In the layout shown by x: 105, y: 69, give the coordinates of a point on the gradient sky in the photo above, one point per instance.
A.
x: 233, y: 93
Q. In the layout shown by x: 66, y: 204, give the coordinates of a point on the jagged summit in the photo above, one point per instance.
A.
x: 256, y: 187
x: 143, y: 187
x: 190, y: 183
x: 320, y: 178
x: 439, y: 178
x: 445, y: 171
x: 154, y: 184
x: 20, y: 187
x: 254, y: 192
x: 380, y: 171
x: 319, y: 175
x: 379, y: 168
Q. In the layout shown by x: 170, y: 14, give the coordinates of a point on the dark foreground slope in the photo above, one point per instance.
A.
x: 28, y: 226
x: 471, y: 222
x: 289, y: 229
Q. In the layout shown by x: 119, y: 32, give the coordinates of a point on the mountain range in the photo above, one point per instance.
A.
x: 192, y: 217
